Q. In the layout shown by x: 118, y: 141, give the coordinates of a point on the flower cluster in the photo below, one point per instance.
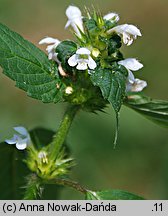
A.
x: 88, y: 53
x: 89, y: 74
x: 45, y: 167
x: 39, y: 160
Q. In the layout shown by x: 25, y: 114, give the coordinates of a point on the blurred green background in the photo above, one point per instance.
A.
x: 139, y: 163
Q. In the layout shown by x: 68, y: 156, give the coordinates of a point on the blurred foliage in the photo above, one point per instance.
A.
x: 139, y: 163
x: 13, y: 171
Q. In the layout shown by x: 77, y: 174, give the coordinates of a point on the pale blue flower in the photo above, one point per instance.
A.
x: 21, y: 139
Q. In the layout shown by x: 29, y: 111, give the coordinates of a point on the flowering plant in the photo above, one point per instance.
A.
x: 88, y: 74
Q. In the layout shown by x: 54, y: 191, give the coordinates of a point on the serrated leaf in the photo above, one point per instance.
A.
x: 13, y: 172
x: 155, y: 110
x: 112, y: 85
x: 112, y: 195
x: 29, y: 67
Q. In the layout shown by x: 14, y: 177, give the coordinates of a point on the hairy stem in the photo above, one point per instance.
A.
x: 62, y: 132
x: 69, y: 183
x: 33, y: 188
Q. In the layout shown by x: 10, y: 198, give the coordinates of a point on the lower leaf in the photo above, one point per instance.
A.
x: 154, y: 110
x: 112, y: 195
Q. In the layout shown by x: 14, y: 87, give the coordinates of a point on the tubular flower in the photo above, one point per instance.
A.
x: 133, y: 84
x: 136, y: 86
x: 52, y: 55
x: 131, y: 64
x: 112, y: 17
x: 82, y: 59
x: 22, y: 139
x: 74, y: 19
x: 128, y: 33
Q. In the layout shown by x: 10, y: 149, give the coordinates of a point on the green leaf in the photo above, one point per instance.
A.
x: 155, y: 110
x: 114, y: 43
x: 65, y: 50
x: 29, y: 67
x: 109, y: 24
x: 112, y: 195
x: 13, y: 172
x: 112, y: 85
x: 91, y: 26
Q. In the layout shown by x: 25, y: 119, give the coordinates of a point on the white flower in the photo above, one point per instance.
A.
x: 69, y: 90
x: 82, y: 59
x: 74, y: 19
x: 51, y: 48
x: 22, y: 139
x: 127, y: 32
x: 131, y: 64
x: 112, y: 17
x: 42, y: 155
x: 135, y: 85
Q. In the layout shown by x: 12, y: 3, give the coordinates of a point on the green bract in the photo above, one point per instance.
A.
x: 40, y: 160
